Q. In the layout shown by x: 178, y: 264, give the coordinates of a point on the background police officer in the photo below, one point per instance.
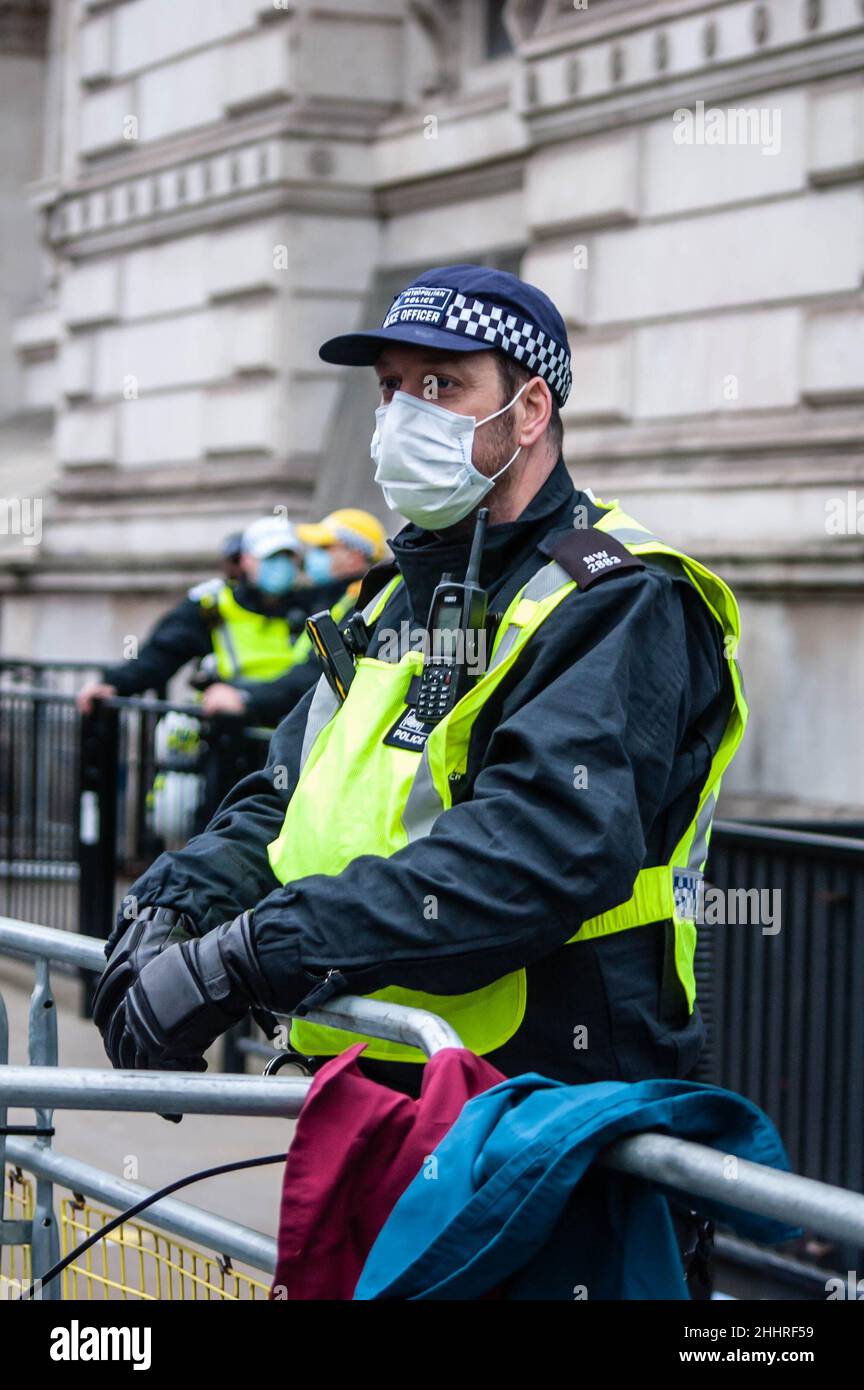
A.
x: 338, y: 552
x: 245, y: 633
x: 341, y: 547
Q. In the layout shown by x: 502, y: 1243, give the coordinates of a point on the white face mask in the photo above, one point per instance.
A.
x: 422, y: 455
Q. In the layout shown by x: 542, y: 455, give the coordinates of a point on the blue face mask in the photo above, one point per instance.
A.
x: 318, y: 565
x: 276, y: 574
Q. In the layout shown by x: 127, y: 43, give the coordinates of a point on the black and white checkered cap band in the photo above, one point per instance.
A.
x: 519, y: 338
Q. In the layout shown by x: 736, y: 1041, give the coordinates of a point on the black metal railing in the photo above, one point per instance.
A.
x: 786, y: 1023
x: 64, y: 677
x: 39, y: 871
x: 88, y: 801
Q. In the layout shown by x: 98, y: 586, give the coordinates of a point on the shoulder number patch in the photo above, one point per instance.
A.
x: 588, y: 555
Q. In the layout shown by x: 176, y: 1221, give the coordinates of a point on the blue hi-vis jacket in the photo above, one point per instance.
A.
x: 509, y: 1197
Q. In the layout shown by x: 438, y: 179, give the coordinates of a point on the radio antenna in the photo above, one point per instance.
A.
x: 472, y: 574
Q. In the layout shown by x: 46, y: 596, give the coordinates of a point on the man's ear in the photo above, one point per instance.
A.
x: 536, y: 401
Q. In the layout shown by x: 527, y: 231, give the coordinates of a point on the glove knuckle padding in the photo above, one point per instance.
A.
x: 147, y: 935
x: 150, y: 932
x: 170, y: 989
x: 186, y: 994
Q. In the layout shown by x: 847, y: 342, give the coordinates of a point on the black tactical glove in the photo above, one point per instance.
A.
x: 186, y: 996
x: 150, y: 932
x: 130, y: 913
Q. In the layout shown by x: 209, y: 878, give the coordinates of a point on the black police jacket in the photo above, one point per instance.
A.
x: 626, y: 677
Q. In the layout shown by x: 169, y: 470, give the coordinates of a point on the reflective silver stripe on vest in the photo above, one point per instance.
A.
x: 540, y: 586
x: 699, y: 848
x: 424, y: 805
x: 370, y: 609
x: 322, y: 709
x: 228, y: 641
x: 737, y: 666
x: 628, y: 535
x: 375, y: 599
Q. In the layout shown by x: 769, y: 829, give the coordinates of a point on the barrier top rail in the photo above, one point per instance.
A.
x: 39, y: 663
x: 146, y: 704
x: 39, y: 695
x: 395, y: 1022
x: 674, y: 1163
x: 751, y: 834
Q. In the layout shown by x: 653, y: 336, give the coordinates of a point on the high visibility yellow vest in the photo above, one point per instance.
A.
x: 357, y: 795
x: 252, y: 646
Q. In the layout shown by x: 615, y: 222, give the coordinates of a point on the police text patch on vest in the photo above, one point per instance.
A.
x: 688, y: 888
x: 409, y: 732
x: 420, y: 304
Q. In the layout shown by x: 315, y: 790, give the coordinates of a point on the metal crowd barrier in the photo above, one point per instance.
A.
x: 691, y: 1168
x: 45, y: 1087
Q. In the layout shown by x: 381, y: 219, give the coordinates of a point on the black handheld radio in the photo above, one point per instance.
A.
x: 457, y: 635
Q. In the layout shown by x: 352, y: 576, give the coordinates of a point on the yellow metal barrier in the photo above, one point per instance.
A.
x: 15, y: 1259
x: 133, y: 1261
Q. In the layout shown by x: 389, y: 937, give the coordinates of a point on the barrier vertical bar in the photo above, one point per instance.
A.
x: 97, y: 829
x: 42, y: 1039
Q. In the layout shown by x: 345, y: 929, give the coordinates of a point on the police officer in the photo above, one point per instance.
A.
x: 527, y: 866
x: 338, y: 552
x: 245, y: 632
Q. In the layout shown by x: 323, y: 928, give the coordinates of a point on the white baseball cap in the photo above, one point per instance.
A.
x: 268, y: 536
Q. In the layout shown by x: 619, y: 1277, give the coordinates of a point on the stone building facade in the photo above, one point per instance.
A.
x: 224, y: 183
